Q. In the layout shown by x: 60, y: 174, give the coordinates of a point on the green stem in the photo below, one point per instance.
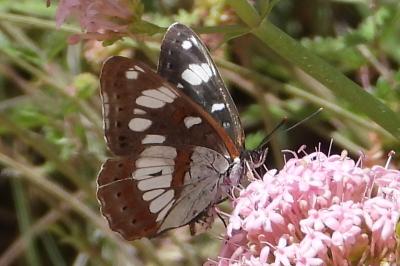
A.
x: 246, y: 12
x: 317, y: 68
x: 24, y: 221
x: 225, y: 29
x: 37, y: 22
x: 292, y: 90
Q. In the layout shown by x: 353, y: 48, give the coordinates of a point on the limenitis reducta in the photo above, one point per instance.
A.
x: 176, y: 134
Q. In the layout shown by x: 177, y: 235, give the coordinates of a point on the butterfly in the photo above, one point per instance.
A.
x: 176, y: 136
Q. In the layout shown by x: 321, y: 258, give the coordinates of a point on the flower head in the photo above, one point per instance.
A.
x: 318, y: 210
x: 100, y: 19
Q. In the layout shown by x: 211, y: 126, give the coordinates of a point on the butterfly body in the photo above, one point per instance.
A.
x: 176, y: 137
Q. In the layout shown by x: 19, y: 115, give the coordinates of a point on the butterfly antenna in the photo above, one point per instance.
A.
x: 305, y: 119
x: 267, y: 138
x: 265, y: 141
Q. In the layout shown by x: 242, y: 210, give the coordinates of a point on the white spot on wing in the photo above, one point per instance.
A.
x: 200, y: 71
x: 149, y: 172
x: 162, y: 181
x: 139, y: 124
x: 131, y: 74
x: 138, y: 111
x: 139, y: 68
x: 159, y: 151
x: 195, y: 74
x: 149, y: 195
x: 217, y: 107
x: 149, y: 102
x: 180, y: 86
x: 191, y: 121
x: 151, y: 162
x: 155, y: 139
x: 164, y: 212
x: 167, y: 91
x: 158, y: 95
x: 159, y: 203
x: 189, y: 76
x: 186, y: 45
x: 207, y: 69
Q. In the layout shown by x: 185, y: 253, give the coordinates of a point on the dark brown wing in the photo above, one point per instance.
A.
x: 185, y: 62
x: 140, y: 108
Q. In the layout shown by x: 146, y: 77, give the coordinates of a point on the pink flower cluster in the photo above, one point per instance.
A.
x: 318, y: 210
x: 101, y: 19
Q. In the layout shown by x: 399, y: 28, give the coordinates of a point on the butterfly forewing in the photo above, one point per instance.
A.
x: 171, y: 153
x: 140, y: 108
x: 185, y: 62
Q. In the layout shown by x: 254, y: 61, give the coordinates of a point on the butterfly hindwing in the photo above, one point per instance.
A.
x: 159, y: 189
x: 185, y: 62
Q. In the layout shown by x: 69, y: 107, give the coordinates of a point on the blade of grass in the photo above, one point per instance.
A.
x: 33, y: 176
x: 46, y: 149
x: 14, y: 250
x: 277, y: 87
x: 37, y: 22
x: 59, y: 87
x: 24, y: 221
x: 52, y: 250
x: 333, y: 79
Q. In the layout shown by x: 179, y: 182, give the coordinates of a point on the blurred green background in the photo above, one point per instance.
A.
x: 51, y: 137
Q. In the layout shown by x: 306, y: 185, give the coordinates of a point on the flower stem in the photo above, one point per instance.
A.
x: 277, y: 86
x: 317, y: 68
x: 37, y: 22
